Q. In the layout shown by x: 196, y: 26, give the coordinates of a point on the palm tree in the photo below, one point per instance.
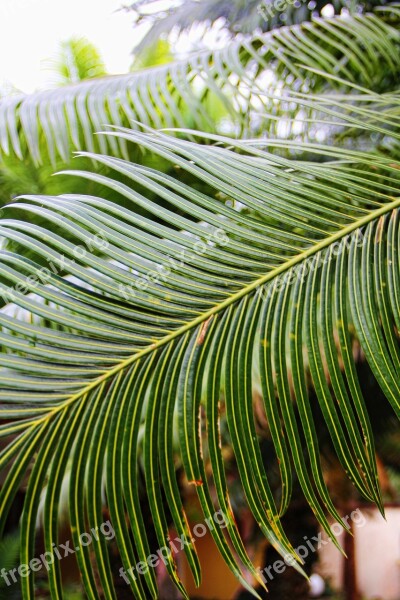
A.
x: 248, y: 79
x: 237, y: 16
x: 257, y: 262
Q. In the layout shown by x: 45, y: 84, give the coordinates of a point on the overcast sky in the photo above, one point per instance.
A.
x: 30, y: 31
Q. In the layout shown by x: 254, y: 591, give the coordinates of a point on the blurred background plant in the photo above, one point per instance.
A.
x: 228, y: 18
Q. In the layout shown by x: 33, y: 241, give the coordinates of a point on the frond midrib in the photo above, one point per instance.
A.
x: 292, y: 262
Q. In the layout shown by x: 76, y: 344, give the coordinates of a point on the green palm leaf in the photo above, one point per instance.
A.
x: 237, y: 17
x: 129, y: 344
x: 363, y: 50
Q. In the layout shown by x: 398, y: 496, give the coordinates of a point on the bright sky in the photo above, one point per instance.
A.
x: 30, y: 31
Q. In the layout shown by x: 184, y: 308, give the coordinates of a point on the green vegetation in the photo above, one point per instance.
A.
x: 167, y: 278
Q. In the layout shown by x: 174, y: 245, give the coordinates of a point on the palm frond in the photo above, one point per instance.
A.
x: 78, y: 59
x: 240, y: 16
x: 362, y: 50
x: 168, y: 320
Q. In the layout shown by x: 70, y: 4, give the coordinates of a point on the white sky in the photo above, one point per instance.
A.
x: 30, y: 31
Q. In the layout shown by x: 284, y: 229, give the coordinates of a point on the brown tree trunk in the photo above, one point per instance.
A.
x: 349, y: 569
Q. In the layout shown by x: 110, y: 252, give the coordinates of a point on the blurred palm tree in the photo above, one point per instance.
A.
x: 234, y: 16
x: 78, y: 59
